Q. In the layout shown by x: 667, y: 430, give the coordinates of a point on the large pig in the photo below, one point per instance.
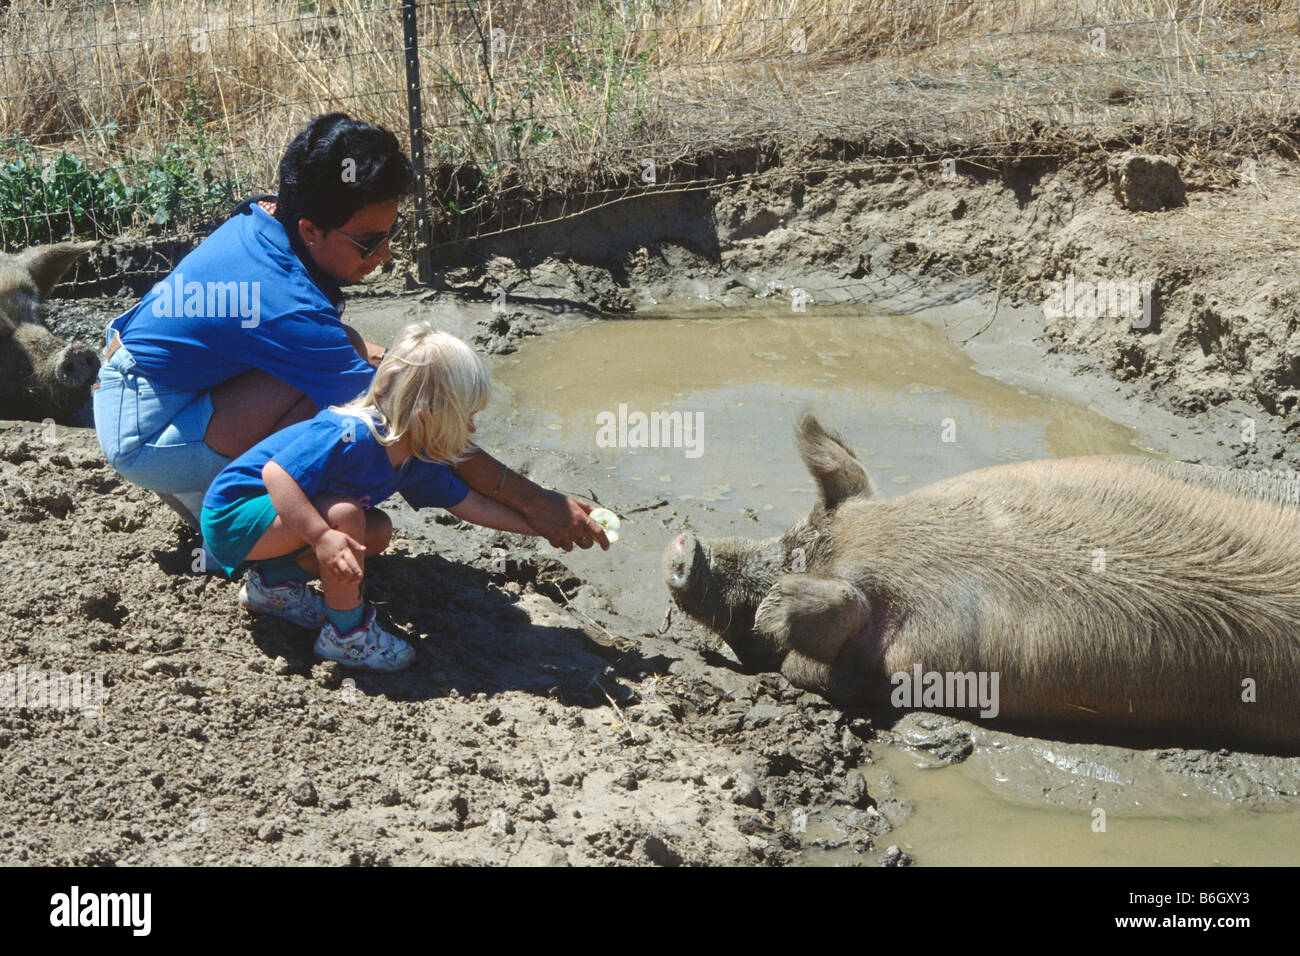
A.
x: 1108, y: 598
x: 40, y: 376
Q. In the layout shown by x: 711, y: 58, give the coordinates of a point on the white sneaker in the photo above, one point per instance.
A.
x: 293, y: 601
x: 368, y: 647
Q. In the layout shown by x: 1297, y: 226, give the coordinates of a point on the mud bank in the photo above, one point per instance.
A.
x: 1220, y: 341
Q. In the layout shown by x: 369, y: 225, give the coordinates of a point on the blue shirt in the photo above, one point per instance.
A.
x: 241, y: 300
x: 336, y: 453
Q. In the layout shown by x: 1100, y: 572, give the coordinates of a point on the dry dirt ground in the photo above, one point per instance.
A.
x: 539, y: 725
x: 525, y: 732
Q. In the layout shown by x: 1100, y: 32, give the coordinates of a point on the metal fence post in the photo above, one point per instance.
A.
x: 411, y: 37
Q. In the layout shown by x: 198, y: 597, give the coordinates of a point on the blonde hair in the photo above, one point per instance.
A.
x: 427, y: 386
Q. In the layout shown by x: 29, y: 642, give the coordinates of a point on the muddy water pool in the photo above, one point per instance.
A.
x: 907, y: 400
x: 1018, y: 801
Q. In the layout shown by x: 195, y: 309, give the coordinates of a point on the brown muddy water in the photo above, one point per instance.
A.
x: 730, y: 385
x: 895, y: 388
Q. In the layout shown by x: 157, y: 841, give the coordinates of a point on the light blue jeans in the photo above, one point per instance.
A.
x: 152, y: 434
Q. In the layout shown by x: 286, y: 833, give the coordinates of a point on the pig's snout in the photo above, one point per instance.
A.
x: 682, y: 563
x: 76, y: 365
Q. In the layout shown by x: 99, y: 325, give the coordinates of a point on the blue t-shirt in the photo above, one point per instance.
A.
x: 241, y: 300
x: 340, y: 454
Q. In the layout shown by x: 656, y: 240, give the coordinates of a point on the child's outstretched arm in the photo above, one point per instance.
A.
x: 482, y: 510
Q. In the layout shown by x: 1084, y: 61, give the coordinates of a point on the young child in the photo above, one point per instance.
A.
x: 301, y: 503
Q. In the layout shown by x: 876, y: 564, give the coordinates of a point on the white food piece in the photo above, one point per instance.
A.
x: 607, y: 520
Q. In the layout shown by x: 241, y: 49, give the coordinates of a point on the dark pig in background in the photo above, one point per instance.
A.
x: 1112, y: 598
x: 41, y: 376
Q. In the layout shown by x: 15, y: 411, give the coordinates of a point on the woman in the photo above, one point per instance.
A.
x: 246, y: 336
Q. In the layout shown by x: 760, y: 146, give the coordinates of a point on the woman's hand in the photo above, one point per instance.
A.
x: 565, y: 521
x: 338, y: 553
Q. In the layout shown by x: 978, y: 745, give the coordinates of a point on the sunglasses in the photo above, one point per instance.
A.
x: 370, y: 248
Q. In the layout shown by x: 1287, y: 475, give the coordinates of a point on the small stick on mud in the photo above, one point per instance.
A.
x: 992, y: 318
x: 573, y: 610
x: 601, y: 688
x: 13, y: 473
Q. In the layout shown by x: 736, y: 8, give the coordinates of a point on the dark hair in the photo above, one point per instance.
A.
x: 336, y: 166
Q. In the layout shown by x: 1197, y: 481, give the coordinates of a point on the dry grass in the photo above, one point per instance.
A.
x: 958, y: 73
x: 552, y: 88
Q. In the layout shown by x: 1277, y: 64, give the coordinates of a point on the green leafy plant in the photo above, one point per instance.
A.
x: 43, y: 201
x: 40, y: 202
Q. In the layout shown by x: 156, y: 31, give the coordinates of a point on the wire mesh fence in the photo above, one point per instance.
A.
x: 145, y: 118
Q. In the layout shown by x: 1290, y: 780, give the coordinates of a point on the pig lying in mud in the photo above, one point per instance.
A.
x: 40, y: 376
x: 1116, y: 598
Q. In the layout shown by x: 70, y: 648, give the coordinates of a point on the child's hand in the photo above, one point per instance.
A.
x: 334, y: 551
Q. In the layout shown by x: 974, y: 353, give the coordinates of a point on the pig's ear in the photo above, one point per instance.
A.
x: 46, y: 264
x: 832, y: 463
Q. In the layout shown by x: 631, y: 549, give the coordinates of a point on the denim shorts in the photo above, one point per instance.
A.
x: 153, y: 434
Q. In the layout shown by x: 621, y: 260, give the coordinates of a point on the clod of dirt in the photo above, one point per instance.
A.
x: 304, y: 793
x: 103, y: 605
x: 748, y: 795
x: 1145, y: 182
x: 942, y: 737
x: 853, y: 792
x: 329, y: 674
x: 893, y: 856
x: 659, y: 852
